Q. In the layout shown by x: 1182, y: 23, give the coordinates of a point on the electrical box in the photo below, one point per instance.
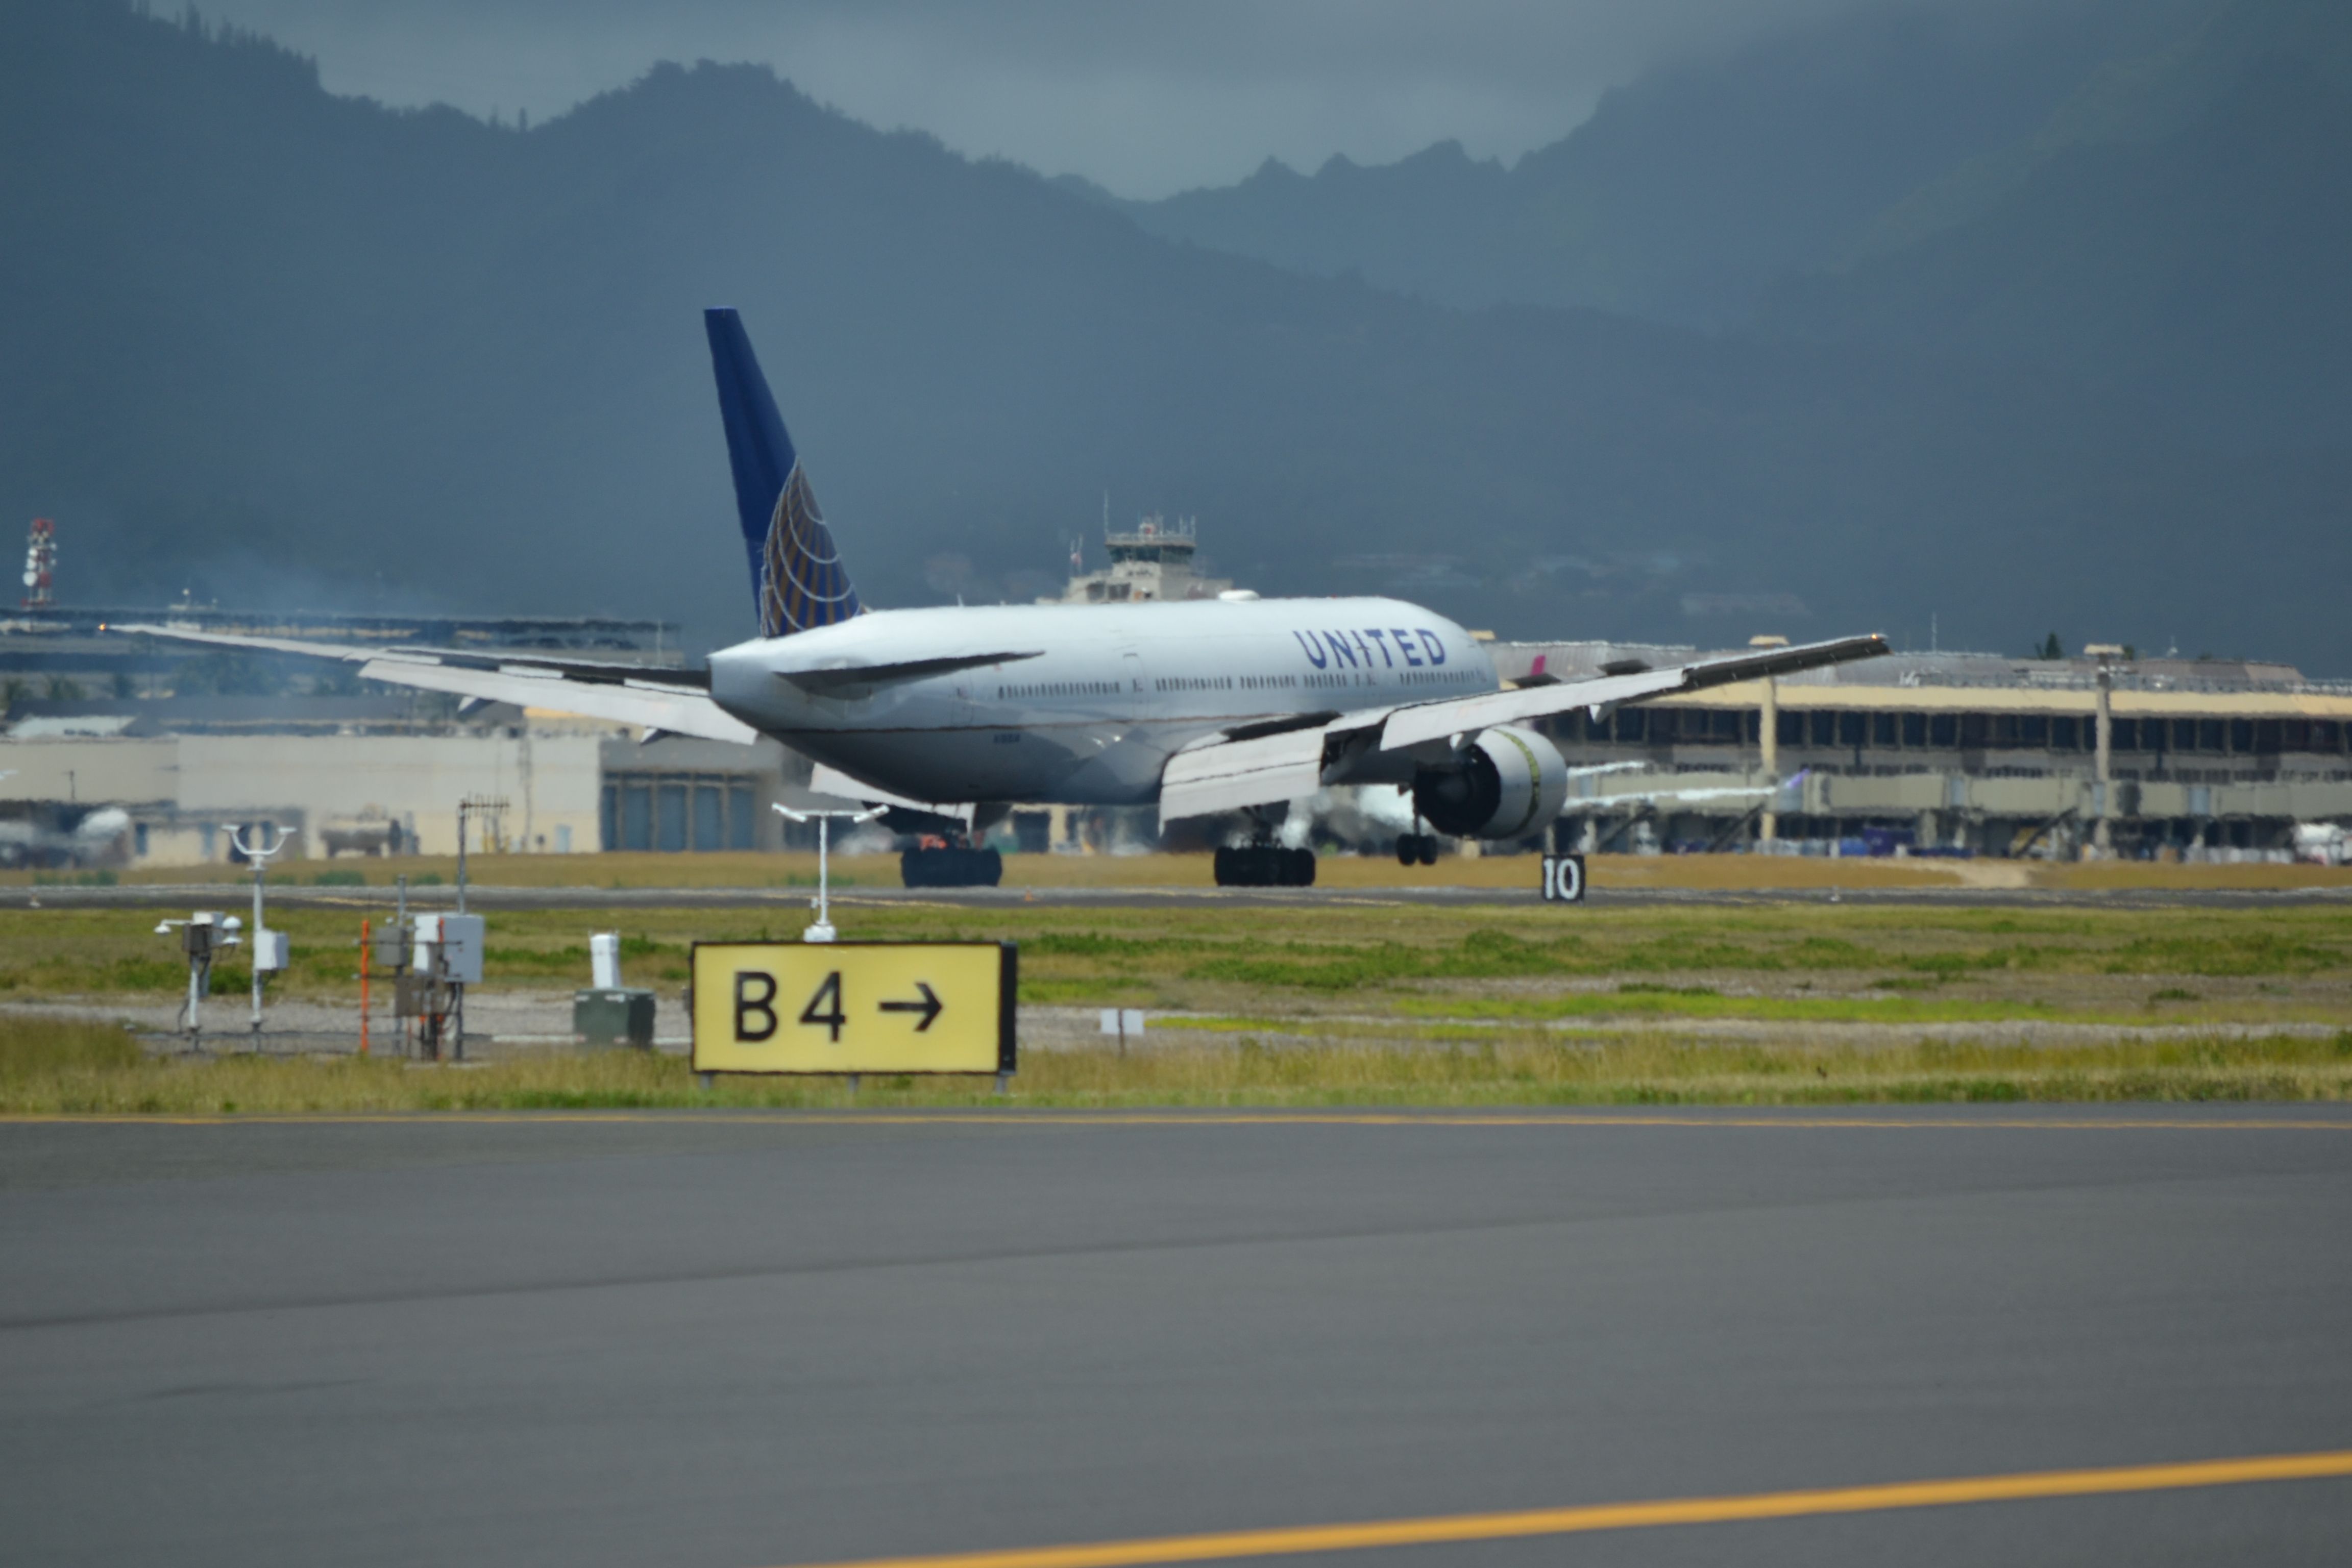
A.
x: 449, y: 947
x: 394, y: 942
x: 270, y: 950
x: 617, y: 1017
x: 202, y: 934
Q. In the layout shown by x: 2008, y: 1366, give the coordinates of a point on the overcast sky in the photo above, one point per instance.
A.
x: 1145, y: 98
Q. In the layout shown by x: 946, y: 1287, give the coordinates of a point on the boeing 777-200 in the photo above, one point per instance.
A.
x: 1232, y: 704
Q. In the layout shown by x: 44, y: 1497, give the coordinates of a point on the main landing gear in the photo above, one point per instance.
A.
x: 935, y: 862
x: 1416, y: 848
x: 1265, y: 866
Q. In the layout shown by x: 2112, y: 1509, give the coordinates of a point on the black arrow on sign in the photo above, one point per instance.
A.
x: 930, y: 1007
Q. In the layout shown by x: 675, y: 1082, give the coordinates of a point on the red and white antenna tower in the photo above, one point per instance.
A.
x: 41, y: 566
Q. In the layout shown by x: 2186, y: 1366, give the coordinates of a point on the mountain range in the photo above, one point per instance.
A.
x: 267, y: 343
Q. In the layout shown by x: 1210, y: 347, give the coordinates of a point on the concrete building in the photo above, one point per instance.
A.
x: 568, y: 787
x: 1971, y: 751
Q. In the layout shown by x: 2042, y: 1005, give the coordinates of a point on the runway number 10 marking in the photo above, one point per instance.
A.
x: 1563, y: 879
x: 843, y: 1007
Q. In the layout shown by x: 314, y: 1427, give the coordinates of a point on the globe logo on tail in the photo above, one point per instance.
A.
x: 803, y: 583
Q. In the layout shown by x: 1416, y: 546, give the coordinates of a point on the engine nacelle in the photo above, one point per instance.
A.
x: 1507, y: 783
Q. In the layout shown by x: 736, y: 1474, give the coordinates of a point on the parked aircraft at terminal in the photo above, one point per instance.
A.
x: 1234, y: 704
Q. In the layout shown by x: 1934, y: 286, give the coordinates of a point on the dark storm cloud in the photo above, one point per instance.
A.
x: 1145, y: 99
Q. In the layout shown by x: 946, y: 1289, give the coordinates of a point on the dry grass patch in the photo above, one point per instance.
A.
x: 57, y: 1068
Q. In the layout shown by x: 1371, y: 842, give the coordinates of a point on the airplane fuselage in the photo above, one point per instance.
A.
x: 1110, y: 691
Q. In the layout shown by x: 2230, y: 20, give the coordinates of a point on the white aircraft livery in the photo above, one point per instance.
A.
x: 1232, y: 704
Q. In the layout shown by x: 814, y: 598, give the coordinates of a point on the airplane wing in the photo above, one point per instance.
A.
x: 1667, y: 792
x: 675, y: 701
x: 1254, y: 768
x: 1653, y: 797
x: 1451, y: 716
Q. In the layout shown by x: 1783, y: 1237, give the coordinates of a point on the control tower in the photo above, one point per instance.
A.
x: 1154, y: 560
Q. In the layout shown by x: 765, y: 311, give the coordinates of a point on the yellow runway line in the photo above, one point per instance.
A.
x: 753, y: 1116
x: 1452, y: 1529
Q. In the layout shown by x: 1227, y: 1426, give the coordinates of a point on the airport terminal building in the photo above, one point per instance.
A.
x: 123, y: 751
x: 1974, y: 753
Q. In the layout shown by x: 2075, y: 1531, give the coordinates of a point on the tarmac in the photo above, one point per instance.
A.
x: 738, y: 1340
x: 486, y: 899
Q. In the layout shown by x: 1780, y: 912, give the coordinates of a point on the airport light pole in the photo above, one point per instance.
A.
x: 266, y: 945
x: 822, y: 930
x: 1768, y: 736
x: 2103, y: 754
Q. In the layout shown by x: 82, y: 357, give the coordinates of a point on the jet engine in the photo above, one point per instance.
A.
x: 1507, y: 783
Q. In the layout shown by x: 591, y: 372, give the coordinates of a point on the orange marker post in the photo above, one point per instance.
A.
x: 366, y: 949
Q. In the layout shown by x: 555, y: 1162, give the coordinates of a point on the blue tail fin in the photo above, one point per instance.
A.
x: 797, y: 577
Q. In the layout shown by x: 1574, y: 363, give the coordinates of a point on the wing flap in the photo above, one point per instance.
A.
x: 1232, y: 775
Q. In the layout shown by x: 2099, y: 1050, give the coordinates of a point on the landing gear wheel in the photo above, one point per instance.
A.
x: 1265, y: 866
x: 951, y: 868
x: 1416, y: 848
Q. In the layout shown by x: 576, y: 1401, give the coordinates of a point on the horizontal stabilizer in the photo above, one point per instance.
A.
x: 844, y: 679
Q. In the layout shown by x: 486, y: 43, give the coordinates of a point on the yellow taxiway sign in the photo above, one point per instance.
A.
x: 854, y: 1006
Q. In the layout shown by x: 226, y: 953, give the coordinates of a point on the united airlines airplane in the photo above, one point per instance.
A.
x: 1232, y: 704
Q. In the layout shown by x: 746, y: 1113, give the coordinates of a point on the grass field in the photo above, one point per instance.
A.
x: 57, y: 1068
x: 1351, y: 1003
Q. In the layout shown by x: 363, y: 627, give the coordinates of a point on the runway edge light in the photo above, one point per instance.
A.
x: 848, y: 1008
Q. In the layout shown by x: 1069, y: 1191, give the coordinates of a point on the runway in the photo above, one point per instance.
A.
x: 749, y: 1341
x: 485, y: 898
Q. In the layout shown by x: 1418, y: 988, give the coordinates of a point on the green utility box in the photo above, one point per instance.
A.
x: 621, y: 1016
